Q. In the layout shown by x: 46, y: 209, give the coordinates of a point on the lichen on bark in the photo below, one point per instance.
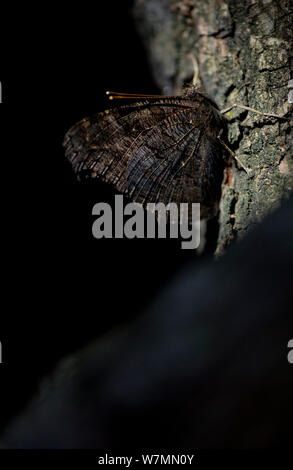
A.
x: 244, y: 53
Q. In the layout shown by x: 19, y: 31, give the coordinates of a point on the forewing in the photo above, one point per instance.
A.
x: 104, y: 145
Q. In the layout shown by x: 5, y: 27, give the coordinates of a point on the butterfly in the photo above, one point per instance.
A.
x: 154, y: 149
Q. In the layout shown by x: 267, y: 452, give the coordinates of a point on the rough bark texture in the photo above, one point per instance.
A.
x: 244, y: 52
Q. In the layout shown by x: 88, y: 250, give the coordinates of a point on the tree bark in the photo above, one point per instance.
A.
x: 244, y: 52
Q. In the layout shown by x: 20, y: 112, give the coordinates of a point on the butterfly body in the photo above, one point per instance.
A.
x: 162, y: 149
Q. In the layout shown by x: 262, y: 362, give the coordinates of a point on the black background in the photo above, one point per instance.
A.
x: 65, y: 287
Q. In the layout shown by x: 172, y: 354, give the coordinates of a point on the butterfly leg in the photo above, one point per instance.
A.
x: 247, y: 108
x: 249, y: 172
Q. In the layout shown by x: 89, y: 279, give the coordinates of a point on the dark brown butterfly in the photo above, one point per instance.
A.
x: 157, y: 149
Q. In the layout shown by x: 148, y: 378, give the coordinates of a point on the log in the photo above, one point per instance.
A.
x: 244, y: 54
